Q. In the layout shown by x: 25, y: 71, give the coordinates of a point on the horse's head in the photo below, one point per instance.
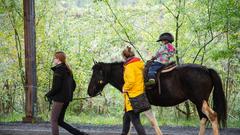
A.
x: 98, y: 79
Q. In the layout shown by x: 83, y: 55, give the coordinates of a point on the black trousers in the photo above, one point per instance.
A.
x: 128, y: 117
x: 57, y: 118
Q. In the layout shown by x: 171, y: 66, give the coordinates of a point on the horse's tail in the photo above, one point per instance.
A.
x: 219, y: 100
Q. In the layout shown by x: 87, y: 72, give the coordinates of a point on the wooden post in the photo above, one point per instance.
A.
x: 30, y: 62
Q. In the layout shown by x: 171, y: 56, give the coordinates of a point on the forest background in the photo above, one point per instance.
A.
x: 206, y: 32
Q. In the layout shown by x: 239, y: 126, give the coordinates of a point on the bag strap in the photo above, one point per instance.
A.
x: 127, y: 94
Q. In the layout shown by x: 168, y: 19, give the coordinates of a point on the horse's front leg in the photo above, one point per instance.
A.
x: 153, y: 121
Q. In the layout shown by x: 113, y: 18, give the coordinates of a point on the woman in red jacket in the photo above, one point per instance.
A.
x: 133, y: 86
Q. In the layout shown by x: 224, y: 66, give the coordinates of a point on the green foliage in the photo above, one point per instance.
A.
x: 88, y: 30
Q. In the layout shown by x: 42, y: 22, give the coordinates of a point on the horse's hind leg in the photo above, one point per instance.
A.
x: 212, y: 116
x: 153, y: 121
x: 203, y: 121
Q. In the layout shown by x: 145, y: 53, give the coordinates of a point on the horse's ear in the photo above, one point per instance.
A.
x: 95, y: 62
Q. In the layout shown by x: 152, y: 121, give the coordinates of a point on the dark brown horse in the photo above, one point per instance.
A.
x: 186, y: 82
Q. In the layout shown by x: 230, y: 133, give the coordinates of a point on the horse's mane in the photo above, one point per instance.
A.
x: 116, y: 63
x: 100, y: 64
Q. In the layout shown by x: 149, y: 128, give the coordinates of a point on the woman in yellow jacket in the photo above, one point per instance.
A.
x: 133, y: 86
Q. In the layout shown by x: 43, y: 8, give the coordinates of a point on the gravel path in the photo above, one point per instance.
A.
x: 44, y: 129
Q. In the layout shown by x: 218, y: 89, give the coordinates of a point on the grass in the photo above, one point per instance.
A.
x: 104, y: 119
x: 11, y: 117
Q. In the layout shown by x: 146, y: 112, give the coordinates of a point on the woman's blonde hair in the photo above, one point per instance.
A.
x: 127, y: 52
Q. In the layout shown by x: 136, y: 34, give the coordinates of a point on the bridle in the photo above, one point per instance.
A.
x: 101, y: 81
x: 85, y: 98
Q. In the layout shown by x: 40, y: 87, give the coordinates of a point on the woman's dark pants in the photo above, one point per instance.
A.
x: 128, y: 117
x: 57, y: 118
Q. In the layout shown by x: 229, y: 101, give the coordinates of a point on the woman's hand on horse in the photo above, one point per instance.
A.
x: 154, y: 58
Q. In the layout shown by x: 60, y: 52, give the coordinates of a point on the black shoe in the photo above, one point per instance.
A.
x: 84, y: 133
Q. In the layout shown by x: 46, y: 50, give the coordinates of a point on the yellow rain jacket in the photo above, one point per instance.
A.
x: 134, y: 82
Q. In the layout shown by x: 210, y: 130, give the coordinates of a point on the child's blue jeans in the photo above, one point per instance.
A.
x: 153, y: 69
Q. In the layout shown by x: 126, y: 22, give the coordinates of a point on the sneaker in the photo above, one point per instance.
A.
x: 150, y: 82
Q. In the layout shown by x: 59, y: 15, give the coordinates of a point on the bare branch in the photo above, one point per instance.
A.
x: 42, y: 15
x: 209, y: 7
x: 205, y: 44
x: 183, y: 112
x: 169, y: 10
x: 125, y: 31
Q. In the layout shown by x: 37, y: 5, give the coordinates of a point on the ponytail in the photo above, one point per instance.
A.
x: 62, y: 57
x: 69, y: 69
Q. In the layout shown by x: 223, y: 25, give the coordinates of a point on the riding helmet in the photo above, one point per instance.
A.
x: 166, y: 36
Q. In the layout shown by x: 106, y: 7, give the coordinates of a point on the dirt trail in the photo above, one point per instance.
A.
x: 44, y: 129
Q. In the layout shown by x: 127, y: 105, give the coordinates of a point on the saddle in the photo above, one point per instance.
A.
x: 169, y: 67
x: 164, y: 69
